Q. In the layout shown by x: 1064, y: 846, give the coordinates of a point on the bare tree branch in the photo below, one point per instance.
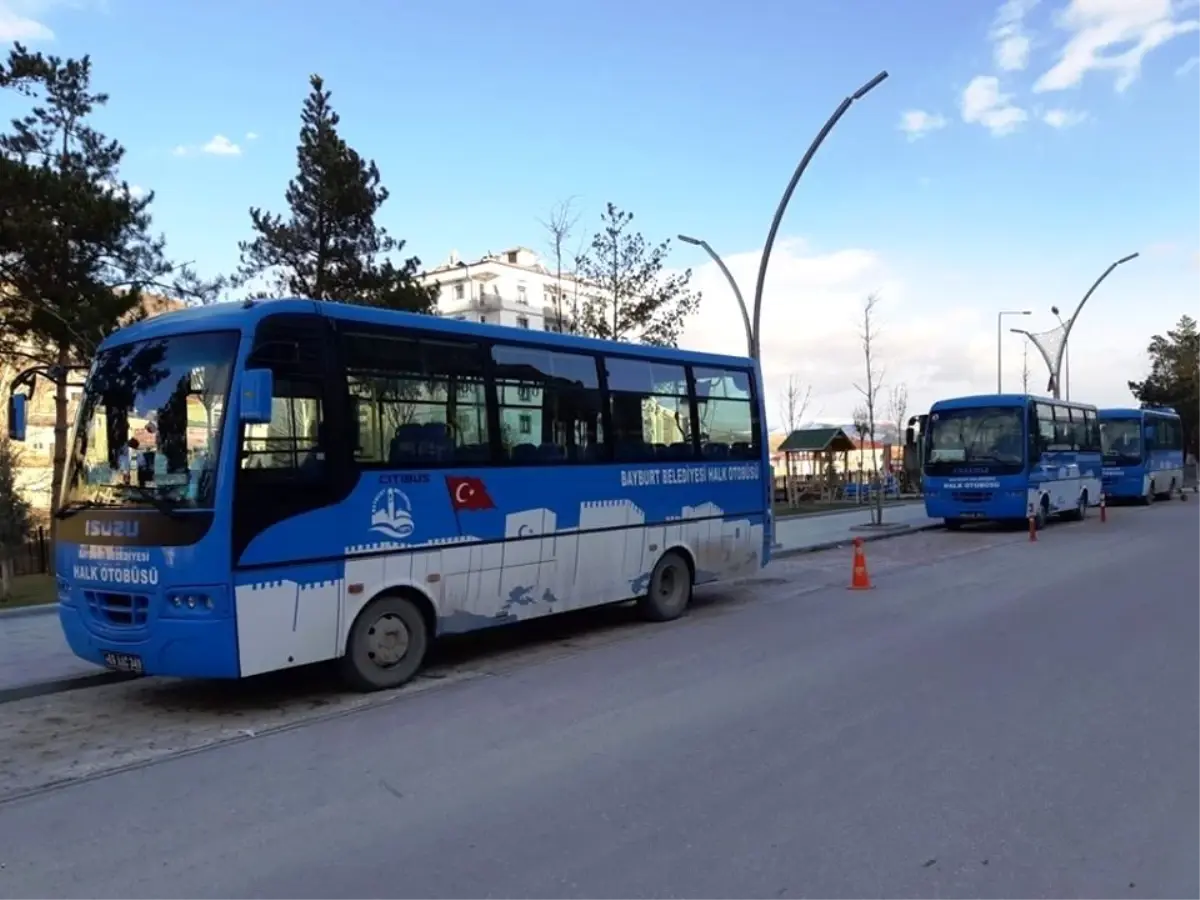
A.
x: 559, y: 228
x: 869, y: 333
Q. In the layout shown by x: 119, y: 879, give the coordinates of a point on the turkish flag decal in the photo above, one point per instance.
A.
x: 469, y: 494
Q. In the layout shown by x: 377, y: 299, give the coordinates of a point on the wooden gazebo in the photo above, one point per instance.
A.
x: 818, y: 446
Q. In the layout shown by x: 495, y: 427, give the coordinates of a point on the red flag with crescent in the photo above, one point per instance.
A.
x: 467, y: 493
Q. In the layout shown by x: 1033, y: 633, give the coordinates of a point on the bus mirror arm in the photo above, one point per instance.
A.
x: 258, y: 386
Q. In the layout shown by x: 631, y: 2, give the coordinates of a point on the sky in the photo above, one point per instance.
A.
x: 1013, y: 153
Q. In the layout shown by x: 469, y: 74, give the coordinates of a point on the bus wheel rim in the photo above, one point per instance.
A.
x: 386, y: 641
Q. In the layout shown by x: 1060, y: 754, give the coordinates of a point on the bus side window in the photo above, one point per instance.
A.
x: 1091, y: 432
x: 1045, y: 434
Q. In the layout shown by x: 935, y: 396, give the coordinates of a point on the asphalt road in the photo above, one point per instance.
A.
x: 1017, y: 721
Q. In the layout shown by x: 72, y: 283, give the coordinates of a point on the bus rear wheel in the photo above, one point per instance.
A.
x: 670, y: 589
x: 386, y: 645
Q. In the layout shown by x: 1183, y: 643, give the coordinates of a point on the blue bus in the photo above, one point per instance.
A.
x: 263, y: 485
x: 1008, y: 457
x: 1143, y: 453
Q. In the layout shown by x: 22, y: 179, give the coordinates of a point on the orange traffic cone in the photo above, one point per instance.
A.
x: 860, y: 579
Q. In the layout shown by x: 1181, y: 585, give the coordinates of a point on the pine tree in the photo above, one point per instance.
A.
x: 628, y: 295
x: 76, y: 250
x: 1174, y: 378
x: 329, y: 246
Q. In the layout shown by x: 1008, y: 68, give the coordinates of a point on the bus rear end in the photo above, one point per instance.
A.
x: 142, y: 548
x: 975, y: 459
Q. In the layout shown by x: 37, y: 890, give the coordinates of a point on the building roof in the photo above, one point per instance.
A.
x: 817, y: 440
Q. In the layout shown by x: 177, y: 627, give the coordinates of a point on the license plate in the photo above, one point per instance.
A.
x: 972, y: 515
x: 123, y: 662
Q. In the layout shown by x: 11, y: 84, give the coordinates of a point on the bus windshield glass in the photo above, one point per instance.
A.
x: 149, y: 426
x: 990, y: 435
x: 1121, y: 440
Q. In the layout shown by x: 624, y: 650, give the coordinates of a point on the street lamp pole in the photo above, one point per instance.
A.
x: 1066, y: 355
x: 787, y: 196
x: 1000, y: 344
x: 737, y: 293
x: 1070, y: 323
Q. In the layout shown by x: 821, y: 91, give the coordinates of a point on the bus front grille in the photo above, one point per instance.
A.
x: 972, y: 496
x: 124, y: 610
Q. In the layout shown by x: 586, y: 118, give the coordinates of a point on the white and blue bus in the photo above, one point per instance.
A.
x: 1143, y: 453
x: 271, y: 484
x: 1009, y: 457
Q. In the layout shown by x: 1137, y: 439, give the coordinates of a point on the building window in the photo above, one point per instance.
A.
x: 549, y: 405
x: 522, y: 295
x: 417, y: 401
x: 725, y: 411
x: 512, y: 256
x: 522, y: 321
x: 651, y: 412
x: 460, y: 291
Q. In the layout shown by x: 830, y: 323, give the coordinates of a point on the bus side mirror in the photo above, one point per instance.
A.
x: 908, y: 437
x: 257, y: 387
x: 17, y: 414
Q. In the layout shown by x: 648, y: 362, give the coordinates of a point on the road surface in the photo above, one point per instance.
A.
x: 1007, y: 720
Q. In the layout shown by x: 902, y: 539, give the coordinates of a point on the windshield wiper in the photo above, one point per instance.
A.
x: 79, y: 506
x: 162, y: 504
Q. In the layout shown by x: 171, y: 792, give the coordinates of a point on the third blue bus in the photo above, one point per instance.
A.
x: 1010, y: 457
x: 1143, y: 453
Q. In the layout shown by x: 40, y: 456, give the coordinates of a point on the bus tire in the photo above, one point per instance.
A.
x: 1043, y: 513
x: 1147, y: 498
x: 386, y: 644
x: 1079, y: 513
x: 953, y: 524
x: 670, y: 589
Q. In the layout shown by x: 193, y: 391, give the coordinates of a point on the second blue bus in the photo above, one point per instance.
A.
x: 1010, y: 457
x: 1143, y: 453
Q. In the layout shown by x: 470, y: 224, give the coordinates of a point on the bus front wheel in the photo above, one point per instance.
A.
x: 386, y: 645
x: 670, y: 589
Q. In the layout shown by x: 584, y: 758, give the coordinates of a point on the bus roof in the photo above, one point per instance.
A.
x: 1132, y: 413
x: 1016, y: 400
x: 244, y: 317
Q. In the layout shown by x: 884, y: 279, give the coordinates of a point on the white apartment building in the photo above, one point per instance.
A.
x: 514, y: 288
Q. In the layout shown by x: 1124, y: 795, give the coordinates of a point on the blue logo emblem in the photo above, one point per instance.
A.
x: 391, y: 514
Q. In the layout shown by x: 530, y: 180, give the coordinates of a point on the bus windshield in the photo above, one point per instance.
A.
x: 149, y: 426
x: 992, y: 435
x: 1121, y: 441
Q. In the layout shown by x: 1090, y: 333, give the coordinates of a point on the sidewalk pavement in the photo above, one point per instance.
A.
x: 34, y: 657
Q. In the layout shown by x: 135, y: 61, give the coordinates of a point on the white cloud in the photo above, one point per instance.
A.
x: 1188, y: 66
x: 136, y: 191
x: 14, y: 27
x: 1063, y: 118
x: 937, y: 336
x: 221, y: 146
x: 1113, y: 35
x: 181, y: 150
x: 1010, y: 43
x: 252, y: 135
x: 984, y: 104
x: 916, y: 123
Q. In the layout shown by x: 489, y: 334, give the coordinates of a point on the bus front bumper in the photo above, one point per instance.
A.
x: 983, y: 505
x: 178, y: 648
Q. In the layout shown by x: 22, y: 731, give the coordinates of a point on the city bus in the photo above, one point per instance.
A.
x: 1009, y: 457
x: 1143, y: 453
x: 261, y: 485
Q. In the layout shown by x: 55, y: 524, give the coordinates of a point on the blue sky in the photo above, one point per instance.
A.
x: 1044, y: 140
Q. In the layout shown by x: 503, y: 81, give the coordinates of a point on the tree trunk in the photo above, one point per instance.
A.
x: 60, y: 445
x: 6, y: 576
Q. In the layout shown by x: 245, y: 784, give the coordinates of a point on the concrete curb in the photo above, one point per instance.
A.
x: 37, y: 609
x: 847, y: 541
x: 62, y: 685
x: 863, y: 507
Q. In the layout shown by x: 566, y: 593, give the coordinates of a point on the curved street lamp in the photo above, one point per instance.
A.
x: 1070, y: 323
x: 737, y: 293
x: 787, y: 196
